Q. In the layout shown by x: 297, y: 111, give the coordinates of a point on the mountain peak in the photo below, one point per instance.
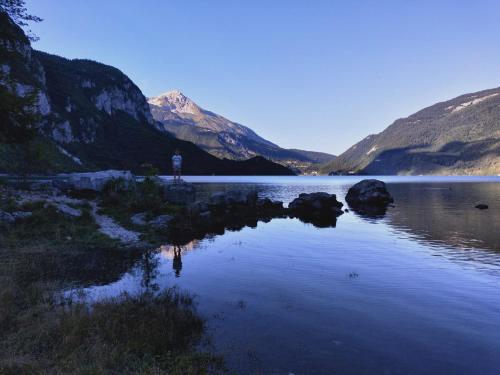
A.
x: 175, y: 93
x: 175, y: 101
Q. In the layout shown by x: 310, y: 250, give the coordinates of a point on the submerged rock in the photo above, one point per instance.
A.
x: 94, y: 181
x: 482, y: 206
x: 369, y: 193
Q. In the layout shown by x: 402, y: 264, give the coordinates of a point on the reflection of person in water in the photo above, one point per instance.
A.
x: 177, y: 261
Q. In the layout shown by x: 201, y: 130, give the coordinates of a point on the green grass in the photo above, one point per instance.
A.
x: 43, y: 333
x: 127, y: 335
x: 121, y: 203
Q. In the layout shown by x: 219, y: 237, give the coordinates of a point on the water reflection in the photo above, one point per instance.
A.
x: 387, y: 285
x: 148, y: 265
x: 371, y: 213
x: 445, y: 214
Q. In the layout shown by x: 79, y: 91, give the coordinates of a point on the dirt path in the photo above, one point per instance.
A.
x: 112, y: 229
x: 107, y: 225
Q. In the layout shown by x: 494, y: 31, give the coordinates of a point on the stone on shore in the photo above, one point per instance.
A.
x: 179, y: 193
x: 369, y: 192
x: 233, y: 198
x: 65, y: 209
x: 218, y: 199
x: 94, y: 181
x: 198, y: 208
x: 7, y: 218
x: 43, y: 186
x: 139, y: 219
x: 22, y: 214
x: 161, y: 222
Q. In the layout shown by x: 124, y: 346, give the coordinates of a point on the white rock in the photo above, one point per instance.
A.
x: 62, y: 133
x: 95, y: 180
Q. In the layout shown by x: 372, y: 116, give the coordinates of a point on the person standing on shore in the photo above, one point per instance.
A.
x: 177, y: 165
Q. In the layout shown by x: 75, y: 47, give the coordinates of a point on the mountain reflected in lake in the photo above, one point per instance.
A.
x: 446, y: 213
x: 412, y: 290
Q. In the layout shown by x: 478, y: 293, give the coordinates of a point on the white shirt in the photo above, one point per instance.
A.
x: 177, y: 161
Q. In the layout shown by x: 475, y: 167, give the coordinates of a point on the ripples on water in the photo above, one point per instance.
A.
x: 413, y: 291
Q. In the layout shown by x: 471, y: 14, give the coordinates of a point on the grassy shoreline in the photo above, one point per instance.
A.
x: 43, y: 333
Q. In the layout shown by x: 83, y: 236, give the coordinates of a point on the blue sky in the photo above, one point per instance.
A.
x: 318, y: 75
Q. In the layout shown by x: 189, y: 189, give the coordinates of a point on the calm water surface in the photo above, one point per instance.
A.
x: 414, y: 291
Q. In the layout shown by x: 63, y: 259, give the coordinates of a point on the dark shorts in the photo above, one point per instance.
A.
x: 177, y: 168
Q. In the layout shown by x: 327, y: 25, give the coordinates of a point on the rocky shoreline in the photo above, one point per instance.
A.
x: 79, y: 229
x: 144, y: 213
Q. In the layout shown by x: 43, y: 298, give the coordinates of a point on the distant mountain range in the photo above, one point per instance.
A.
x: 92, y: 116
x: 221, y: 137
x: 460, y: 136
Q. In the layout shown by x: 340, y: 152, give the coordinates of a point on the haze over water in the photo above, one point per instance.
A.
x: 409, y: 292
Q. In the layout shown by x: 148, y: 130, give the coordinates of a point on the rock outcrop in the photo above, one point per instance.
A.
x: 237, y: 198
x: 94, y: 181
x: 369, y: 192
x: 320, y: 209
x: 179, y: 193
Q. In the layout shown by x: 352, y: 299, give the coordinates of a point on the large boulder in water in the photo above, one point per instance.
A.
x: 320, y: 209
x: 369, y: 193
x: 94, y: 181
x: 322, y: 203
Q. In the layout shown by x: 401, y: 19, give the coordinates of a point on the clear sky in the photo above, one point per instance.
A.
x: 318, y: 75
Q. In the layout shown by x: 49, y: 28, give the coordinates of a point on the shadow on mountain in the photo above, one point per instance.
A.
x: 452, y: 155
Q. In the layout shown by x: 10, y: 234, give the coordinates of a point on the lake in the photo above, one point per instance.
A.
x: 414, y: 291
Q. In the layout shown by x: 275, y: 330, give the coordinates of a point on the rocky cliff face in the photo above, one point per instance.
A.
x: 20, y: 71
x: 458, y: 136
x: 85, y: 93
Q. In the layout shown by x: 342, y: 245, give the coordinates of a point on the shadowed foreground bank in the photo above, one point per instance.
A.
x: 45, y: 332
